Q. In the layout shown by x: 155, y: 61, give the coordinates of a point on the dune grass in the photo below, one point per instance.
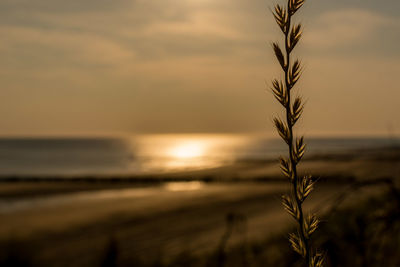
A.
x: 282, y: 90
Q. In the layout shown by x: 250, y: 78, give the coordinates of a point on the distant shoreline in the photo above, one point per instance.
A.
x: 228, y: 173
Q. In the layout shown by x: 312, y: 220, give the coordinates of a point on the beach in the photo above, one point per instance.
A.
x: 154, y: 219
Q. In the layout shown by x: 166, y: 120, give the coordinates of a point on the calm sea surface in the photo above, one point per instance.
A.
x: 152, y: 153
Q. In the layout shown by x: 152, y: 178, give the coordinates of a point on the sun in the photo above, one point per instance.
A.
x: 187, y: 150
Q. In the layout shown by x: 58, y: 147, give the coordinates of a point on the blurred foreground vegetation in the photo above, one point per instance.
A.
x: 366, y: 234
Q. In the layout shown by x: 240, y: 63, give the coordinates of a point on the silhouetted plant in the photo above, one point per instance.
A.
x: 282, y: 90
x: 111, y: 255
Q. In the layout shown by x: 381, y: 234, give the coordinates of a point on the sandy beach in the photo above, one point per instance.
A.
x: 145, y: 220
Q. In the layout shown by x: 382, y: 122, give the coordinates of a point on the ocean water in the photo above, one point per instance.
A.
x: 148, y: 154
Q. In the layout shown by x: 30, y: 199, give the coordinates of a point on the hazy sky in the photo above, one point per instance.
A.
x: 140, y: 66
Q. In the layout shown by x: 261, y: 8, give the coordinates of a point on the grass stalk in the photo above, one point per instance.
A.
x: 300, y: 186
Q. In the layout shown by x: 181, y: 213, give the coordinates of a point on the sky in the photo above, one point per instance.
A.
x: 193, y: 66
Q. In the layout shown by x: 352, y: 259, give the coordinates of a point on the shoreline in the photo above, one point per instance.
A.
x: 335, y: 169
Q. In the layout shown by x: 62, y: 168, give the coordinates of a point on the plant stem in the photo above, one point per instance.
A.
x: 291, y: 156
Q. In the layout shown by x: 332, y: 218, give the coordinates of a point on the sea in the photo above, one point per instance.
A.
x: 154, y: 154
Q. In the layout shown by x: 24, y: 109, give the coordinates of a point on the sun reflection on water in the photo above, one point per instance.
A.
x: 183, y: 152
x: 190, y: 153
x: 184, y: 186
x: 188, y: 150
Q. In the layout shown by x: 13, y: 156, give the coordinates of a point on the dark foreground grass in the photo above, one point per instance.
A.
x: 366, y: 234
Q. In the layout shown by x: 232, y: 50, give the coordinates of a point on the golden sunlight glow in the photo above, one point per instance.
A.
x: 183, y: 152
x: 187, y: 150
x: 184, y: 186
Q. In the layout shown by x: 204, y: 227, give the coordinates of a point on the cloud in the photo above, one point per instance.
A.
x: 345, y: 27
x: 205, y: 24
x: 43, y: 47
x: 190, y: 59
x: 61, y: 6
